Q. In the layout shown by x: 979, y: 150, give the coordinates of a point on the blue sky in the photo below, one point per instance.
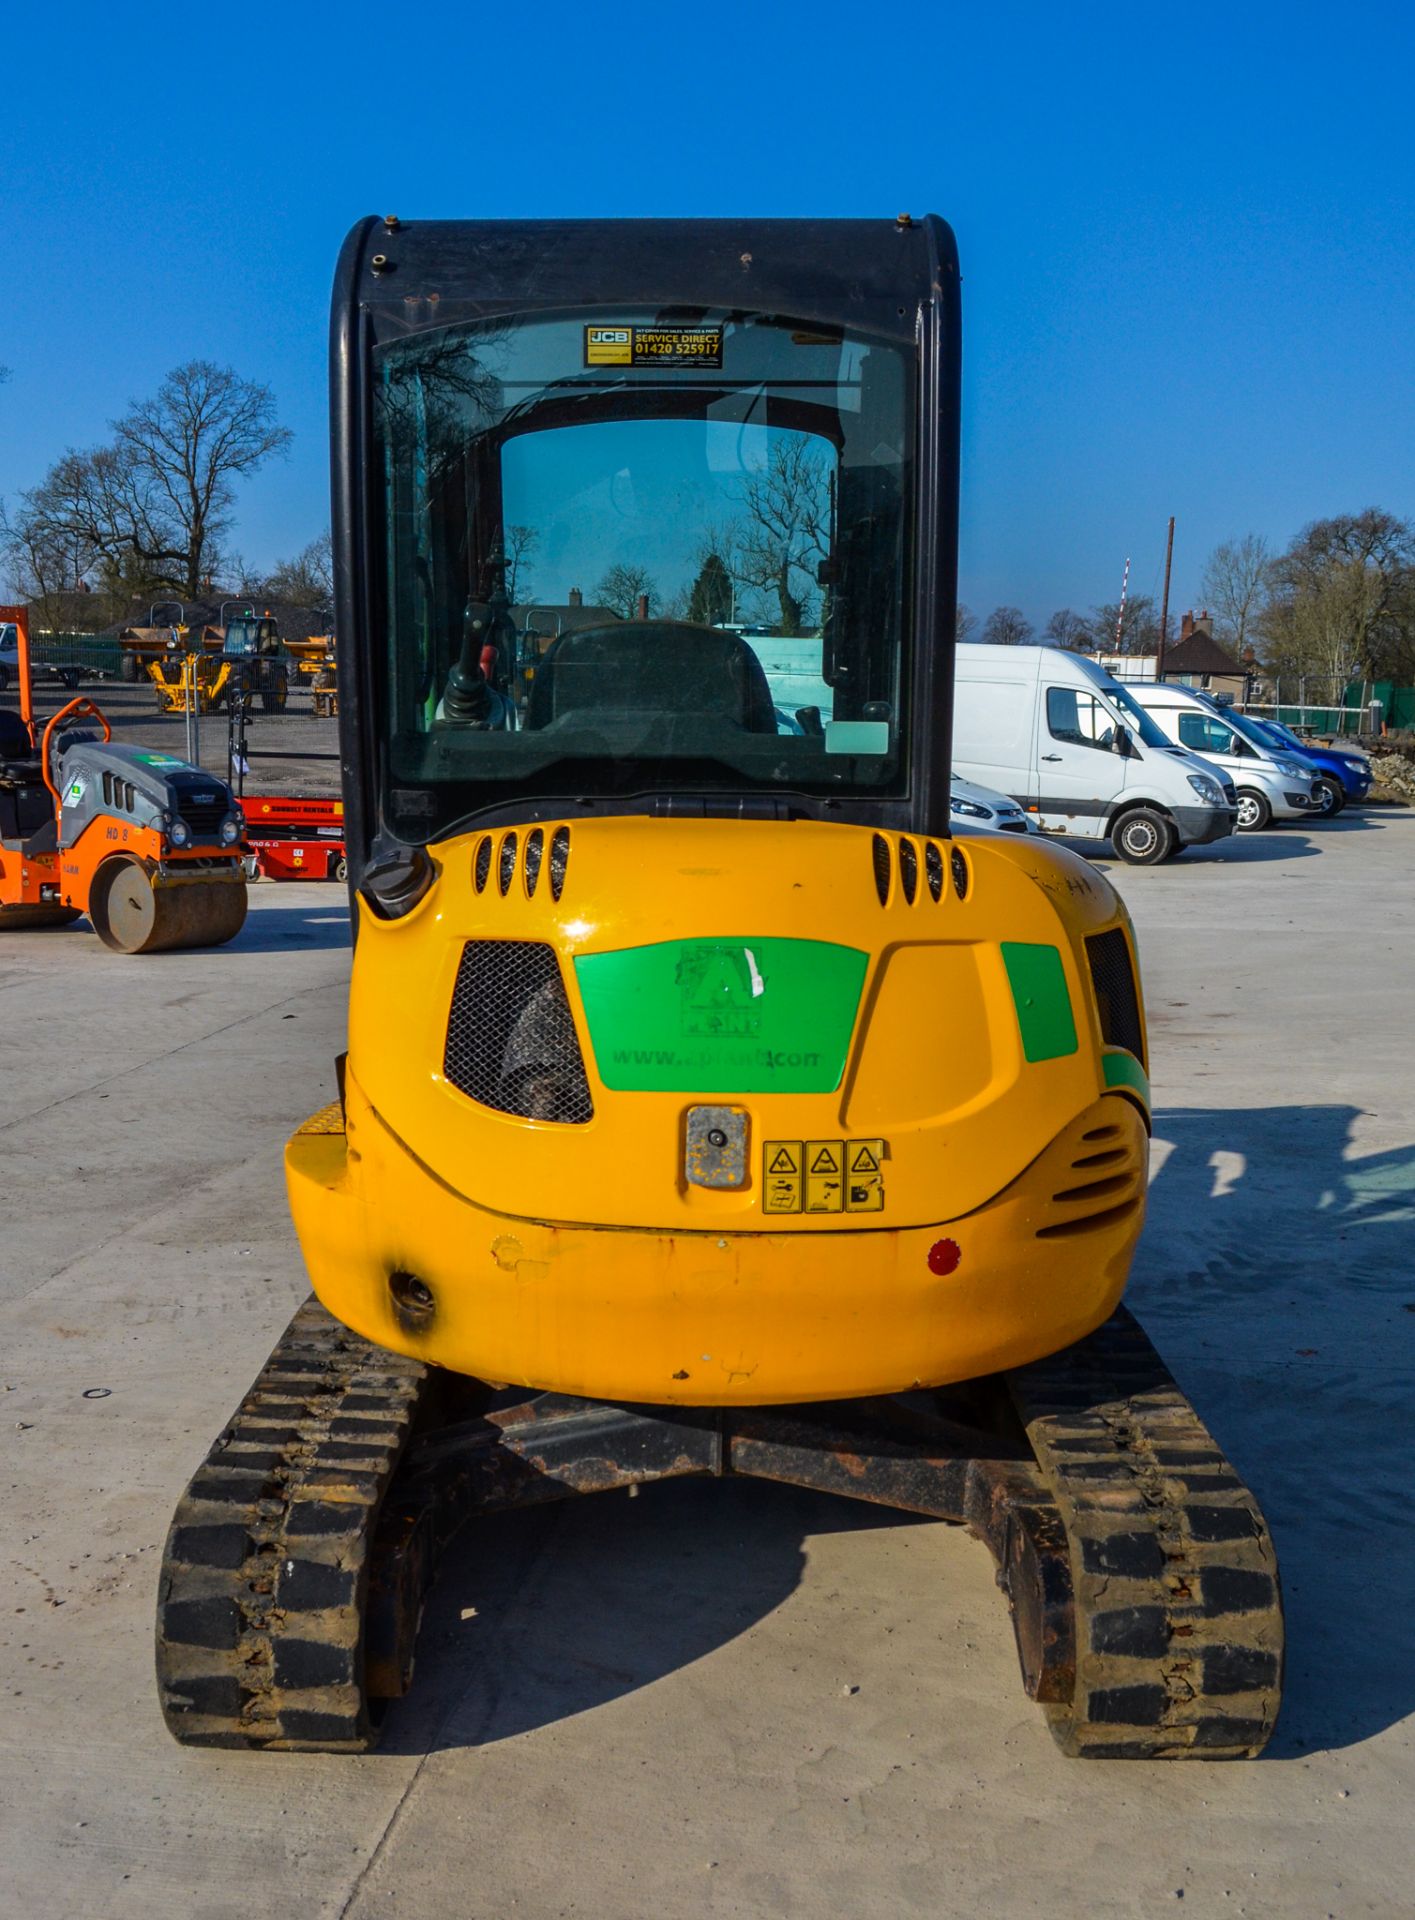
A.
x: 1186, y: 236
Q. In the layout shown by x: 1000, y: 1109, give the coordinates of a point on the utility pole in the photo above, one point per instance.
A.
x: 1164, y: 603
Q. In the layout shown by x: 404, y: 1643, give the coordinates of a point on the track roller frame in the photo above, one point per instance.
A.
x: 1136, y: 1566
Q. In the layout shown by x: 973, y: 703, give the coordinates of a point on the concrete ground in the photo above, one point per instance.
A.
x: 715, y: 1699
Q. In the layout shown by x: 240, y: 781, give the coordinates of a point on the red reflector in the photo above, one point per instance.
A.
x: 944, y: 1256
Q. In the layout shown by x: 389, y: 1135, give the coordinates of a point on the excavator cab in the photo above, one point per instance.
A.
x: 709, y: 1106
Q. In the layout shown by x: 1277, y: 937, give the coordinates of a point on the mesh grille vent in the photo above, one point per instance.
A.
x: 559, y: 860
x: 506, y: 865
x: 959, y: 867
x: 933, y: 868
x: 482, y: 867
x: 1113, y: 978
x: 909, y: 869
x: 511, y: 1041
x: 535, y: 848
x: 883, y: 864
x: 204, y: 821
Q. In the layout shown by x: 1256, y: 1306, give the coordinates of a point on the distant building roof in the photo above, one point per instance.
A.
x: 569, y: 618
x: 1199, y: 652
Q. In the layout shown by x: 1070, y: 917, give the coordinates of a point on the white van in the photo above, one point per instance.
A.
x: 1071, y: 744
x: 1270, y: 784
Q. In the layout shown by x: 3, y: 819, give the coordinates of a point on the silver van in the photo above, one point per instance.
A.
x: 1270, y: 784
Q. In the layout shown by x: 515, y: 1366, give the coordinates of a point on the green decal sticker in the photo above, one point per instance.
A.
x: 1124, y: 1070
x: 1038, y: 982
x: 158, y: 760
x: 722, y: 1016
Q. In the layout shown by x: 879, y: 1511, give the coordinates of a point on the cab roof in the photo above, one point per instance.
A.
x: 872, y: 274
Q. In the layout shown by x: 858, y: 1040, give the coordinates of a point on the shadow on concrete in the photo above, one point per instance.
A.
x: 1293, y: 841
x: 300, y: 921
x: 1278, y: 843
x: 1276, y: 1276
x: 552, y: 1611
x: 1251, y: 849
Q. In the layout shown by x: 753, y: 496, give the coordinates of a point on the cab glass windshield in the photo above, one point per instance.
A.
x: 642, y: 553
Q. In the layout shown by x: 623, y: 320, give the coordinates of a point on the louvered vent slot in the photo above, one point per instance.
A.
x: 1113, y: 979
x: 883, y: 865
x: 559, y: 860
x: 535, y: 849
x: 960, y: 873
x: 933, y: 868
x: 511, y: 1041
x: 909, y: 869
x: 1088, y: 1223
x: 481, y: 868
x: 506, y: 865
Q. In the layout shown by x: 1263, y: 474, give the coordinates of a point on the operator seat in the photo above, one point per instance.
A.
x: 639, y: 668
x: 25, y: 802
x: 14, y: 737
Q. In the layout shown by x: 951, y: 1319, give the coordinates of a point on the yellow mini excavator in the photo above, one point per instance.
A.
x: 709, y: 1107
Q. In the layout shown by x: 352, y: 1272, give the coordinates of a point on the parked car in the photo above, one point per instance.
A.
x: 973, y: 806
x: 1072, y: 746
x: 1270, y: 785
x: 1343, y: 775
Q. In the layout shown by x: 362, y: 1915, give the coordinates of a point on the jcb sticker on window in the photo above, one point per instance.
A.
x: 609, y: 346
x: 823, y: 1176
x: 627, y: 346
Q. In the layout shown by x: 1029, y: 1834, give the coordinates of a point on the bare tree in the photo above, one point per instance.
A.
x: 965, y: 623
x: 152, y: 505
x: 205, y: 428
x: 307, y: 580
x: 1341, y: 597
x: 622, y: 587
x: 520, y: 545
x: 92, y: 502
x: 243, y: 576
x: 1137, y: 630
x: 1066, y: 628
x: 785, y: 530
x: 1007, y: 627
x: 47, y: 572
x: 1234, y: 578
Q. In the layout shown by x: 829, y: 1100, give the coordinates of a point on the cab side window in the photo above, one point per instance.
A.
x: 1204, y: 735
x: 1078, y: 718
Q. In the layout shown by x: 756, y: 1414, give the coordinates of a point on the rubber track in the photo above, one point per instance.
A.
x: 1179, y: 1635
x: 261, y: 1601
